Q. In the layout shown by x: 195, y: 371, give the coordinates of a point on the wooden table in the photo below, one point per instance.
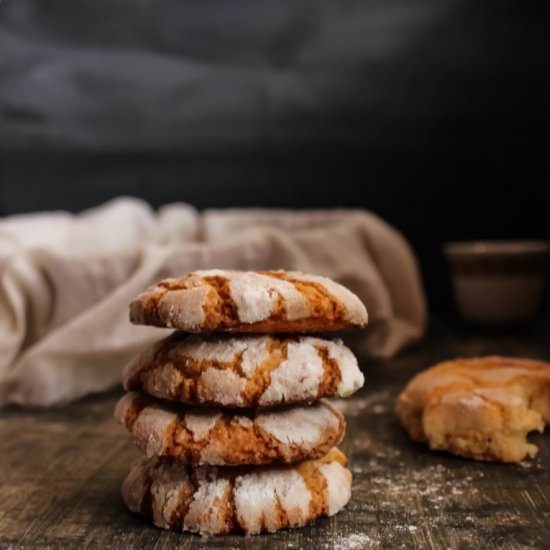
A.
x: 61, y: 472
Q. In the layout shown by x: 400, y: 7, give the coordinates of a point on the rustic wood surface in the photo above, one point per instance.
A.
x: 61, y: 472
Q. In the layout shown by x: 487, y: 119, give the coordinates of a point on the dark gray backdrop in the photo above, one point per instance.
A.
x: 432, y: 113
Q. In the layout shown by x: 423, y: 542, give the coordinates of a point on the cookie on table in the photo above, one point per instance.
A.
x: 480, y: 408
x: 249, y: 301
x: 246, y: 371
x: 218, y: 436
x: 218, y: 500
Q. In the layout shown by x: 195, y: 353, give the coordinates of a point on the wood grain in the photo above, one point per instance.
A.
x: 60, y: 475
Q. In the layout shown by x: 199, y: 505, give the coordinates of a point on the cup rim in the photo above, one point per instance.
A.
x: 480, y: 248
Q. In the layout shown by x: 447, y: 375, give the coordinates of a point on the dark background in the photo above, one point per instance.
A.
x: 431, y: 113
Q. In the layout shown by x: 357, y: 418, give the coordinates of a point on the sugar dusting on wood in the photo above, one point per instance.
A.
x: 375, y: 403
x: 355, y: 541
x: 412, y: 494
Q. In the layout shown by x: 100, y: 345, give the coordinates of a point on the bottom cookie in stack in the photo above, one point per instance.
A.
x: 250, y: 500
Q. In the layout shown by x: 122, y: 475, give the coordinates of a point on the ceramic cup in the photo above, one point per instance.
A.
x: 497, y: 282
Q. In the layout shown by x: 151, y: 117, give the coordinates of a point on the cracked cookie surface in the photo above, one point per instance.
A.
x: 218, y: 500
x: 223, y: 437
x: 245, y: 371
x: 249, y: 301
x: 481, y: 408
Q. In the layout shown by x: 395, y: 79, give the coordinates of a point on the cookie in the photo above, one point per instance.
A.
x: 218, y: 500
x: 218, y: 437
x: 249, y: 301
x: 247, y: 371
x: 479, y: 408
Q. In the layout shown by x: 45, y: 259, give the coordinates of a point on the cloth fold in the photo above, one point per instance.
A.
x: 66, y: 281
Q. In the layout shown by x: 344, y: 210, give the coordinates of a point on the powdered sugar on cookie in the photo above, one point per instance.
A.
x: 351, y: 378
x: 301, y: 426
x: 256, y: 296
x: 221, y: 386
x: 297, y: 378
x: 262, y: 497
x: 200, y: 424
x: 206, y: 513
x: 249, y: 351
x: 153, y: 427
x: 338, y: 480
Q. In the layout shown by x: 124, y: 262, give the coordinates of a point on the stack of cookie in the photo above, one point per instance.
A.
x: 229, y: 417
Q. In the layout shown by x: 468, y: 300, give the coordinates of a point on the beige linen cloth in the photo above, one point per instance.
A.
x: 66, y: 281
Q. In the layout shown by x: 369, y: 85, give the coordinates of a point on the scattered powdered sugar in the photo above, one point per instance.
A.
x: 531, y: 465
x: 379, y: 409
x: 433, y: 483
x: 376, y: 403
x: 354, y: 541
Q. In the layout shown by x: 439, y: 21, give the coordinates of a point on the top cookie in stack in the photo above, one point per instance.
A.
x: 246, y: 301
x: 218, y: 387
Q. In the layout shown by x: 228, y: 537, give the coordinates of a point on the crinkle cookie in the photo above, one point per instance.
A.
x: 480, y: 408
x: 245, y: 371
x: 218, y: 436
x: 249, y: 301
x: 217, y: 500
